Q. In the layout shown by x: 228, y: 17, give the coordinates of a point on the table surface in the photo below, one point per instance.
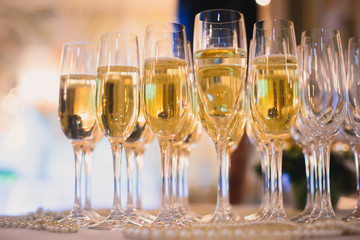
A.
x: 20, y: 234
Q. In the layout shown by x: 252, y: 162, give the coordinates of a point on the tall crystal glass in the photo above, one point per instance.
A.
x: 117, y: 103
x: 77, y: 111
x: 274, y: 98
x: 220, y: 57
x: 323, y: 101
x: 168, y: 103
x: 351, y: 128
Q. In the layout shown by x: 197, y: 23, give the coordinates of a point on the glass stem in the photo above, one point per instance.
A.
x: 88, y: 171
x: 139, y: 155
x: 166, y: 165
x: 266, y: 174
x: 185, y: 178
x: 223, y: 203
x: 131, y: 176
x: 117, y: 149
x: 276, y: 181
x: 327, y: 211
x: 175, y: 177
x: 79, y: 156
x: 309, y: 178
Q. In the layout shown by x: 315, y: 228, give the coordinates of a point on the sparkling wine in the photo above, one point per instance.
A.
x: 275, y: 103
x: 235, y: 130
x: 77, y: 110
x: 167, y: 98
x: 117, y: 100
x: 220, y: 74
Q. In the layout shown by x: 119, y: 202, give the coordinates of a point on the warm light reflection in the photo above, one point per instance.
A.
x: 263, y: 2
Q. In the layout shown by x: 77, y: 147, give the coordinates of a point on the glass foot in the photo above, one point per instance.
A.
x: 115, y: 221
x: 353, y: 217
x: 255, y: 216
x: 79, y: 218
x: 304, y: 215
x: 94, y: 215
x: 135, y: 216
x: 275, y: 215
x: 322, y: 215
x: 224, y: 215
x: 168, y: 218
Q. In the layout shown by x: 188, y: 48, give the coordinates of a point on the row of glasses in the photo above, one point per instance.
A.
x: 169, y: 98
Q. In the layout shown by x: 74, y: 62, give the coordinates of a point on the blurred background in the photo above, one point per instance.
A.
x: 36, y: 160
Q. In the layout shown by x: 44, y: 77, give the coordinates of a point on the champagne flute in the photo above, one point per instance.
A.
x: 117, y: 103
x: 323, y: 102
x: 134, y: 149
x: 77, y: 112
x: 168, y: 103
x: 352, y: 123
x: 274, y: 96
x: 89, y: 148
x: 220, y: 63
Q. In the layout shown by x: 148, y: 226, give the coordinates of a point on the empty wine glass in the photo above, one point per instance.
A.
x: 117, y: 102
x: 352, y: 123
x: 323, y: 101
x: 77, y: 111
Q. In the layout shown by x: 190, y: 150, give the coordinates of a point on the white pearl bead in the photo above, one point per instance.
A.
x: 23, y: 224
x: 2, y: 223
x: 15, y: 224
x: 8, y: 223
x: 64, y: 229
x: 37, y: 227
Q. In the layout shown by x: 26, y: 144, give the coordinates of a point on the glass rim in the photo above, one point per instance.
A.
x: 241, y: 16
x: 71, y: 45
x: 290, y: 24
x: 151, y: 27
x: 323, y: 32
x: 118, y: 34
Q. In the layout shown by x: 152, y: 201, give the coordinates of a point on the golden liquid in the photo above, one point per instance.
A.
x: 167, y: 99
x: 77, y: 110
x: 235, y: 130
x: 274, y: 102
x: 220, y: 74
x: 117, y: 100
